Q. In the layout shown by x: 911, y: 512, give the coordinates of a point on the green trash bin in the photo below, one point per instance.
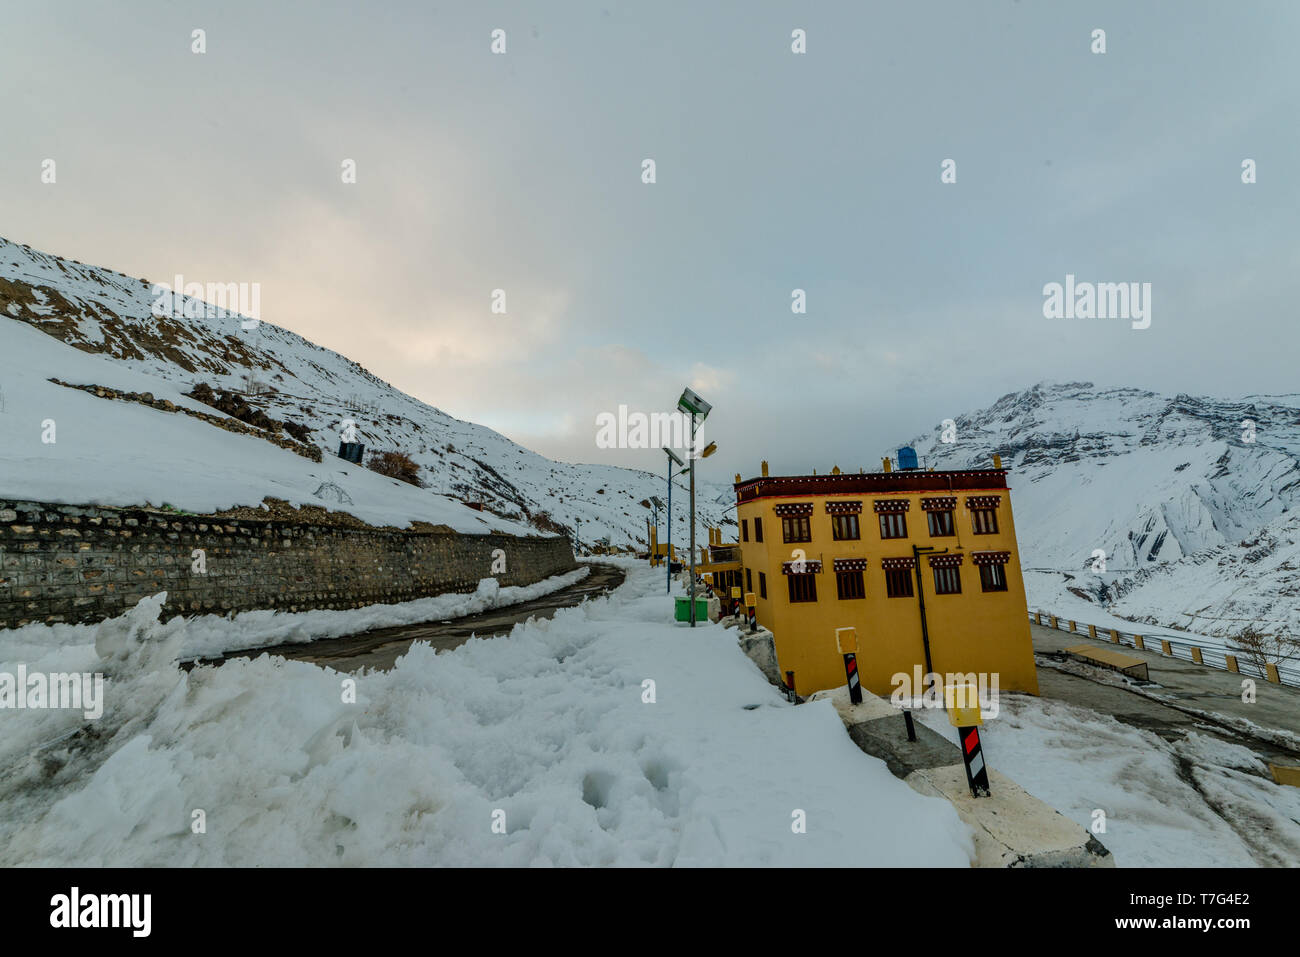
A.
x: 684, y: 609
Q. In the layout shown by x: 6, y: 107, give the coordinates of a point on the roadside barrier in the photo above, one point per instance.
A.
x: 1171, y: 646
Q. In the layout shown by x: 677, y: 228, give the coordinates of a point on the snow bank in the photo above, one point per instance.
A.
x: 553, y: 726
x: 209, y: 636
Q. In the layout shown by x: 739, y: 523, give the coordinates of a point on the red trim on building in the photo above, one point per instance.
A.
x: 990, y: 558
x: 794, y: 509
x: 892, y: 563
x: 849, y: 564
x: 873, y: 483
x: 842, y: 508
x: 946, y: 561
x: 983, y: 501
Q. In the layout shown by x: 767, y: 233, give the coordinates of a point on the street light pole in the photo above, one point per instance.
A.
x: 668, y: 555
x: 693, y: 405
x: 693, y: 458
x: 668, y: 550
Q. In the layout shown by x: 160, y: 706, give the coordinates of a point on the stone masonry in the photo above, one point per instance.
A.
x: 63, y: 563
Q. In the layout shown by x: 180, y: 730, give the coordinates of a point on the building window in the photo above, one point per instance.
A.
x: 984, y: 521
x: 762, y: 585
x: 940, y: 524
x: 802, y: 587
x: 844, y: 528
x: 850, y: 585
x: 758, y: 529
x: 749, y: 579
x: 947, y: 581
x: 744, y: 529
x: 893, y: 525
x: 796, y: 528
x: 993, y: 577
x: 898, y: 582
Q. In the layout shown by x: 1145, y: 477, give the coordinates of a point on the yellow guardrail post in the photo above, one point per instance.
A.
x: 1114, y: 635
x: 1139, y: 643
x: 1092, y: 631
x: 1231, y: 662
x: 1283, y: 774
x: 1270, y: 669
x: 1196, y: 655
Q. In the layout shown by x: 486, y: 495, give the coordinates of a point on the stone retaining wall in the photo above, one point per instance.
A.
x: 62, y: 563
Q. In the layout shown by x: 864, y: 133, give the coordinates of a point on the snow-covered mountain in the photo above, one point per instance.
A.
x: 97, y: 327
x: 1195, y: 508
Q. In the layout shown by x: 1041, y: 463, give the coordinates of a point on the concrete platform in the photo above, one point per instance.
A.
x: 1012, y: 828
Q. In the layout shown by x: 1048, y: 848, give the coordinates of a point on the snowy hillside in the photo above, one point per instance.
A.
x: 99, y: 330
x: 1195, y: 513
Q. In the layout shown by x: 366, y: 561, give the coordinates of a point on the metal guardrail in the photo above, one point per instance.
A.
x: 1171, y: 646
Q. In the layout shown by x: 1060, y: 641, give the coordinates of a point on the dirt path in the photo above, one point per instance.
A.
x: 381, y: 647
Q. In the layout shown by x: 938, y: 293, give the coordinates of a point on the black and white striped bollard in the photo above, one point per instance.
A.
x: 846, y: 640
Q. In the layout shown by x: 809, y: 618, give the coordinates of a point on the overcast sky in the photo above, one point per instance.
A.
x: 775, y: 171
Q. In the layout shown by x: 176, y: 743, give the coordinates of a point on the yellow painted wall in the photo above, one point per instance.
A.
x: 975, y: 631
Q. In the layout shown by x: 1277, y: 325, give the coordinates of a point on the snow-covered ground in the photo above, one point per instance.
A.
x: 552, y: 726
x: 1197, y: 802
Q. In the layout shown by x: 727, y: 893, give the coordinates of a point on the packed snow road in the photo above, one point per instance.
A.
x: 381, y: 647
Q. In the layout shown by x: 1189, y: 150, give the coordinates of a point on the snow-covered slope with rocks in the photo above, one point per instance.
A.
x: 99, y: 329
x: 1195, y: 511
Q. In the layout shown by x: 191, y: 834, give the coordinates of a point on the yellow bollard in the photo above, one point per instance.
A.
x: 1231, y: 662
x: 1270, y: 669
x: 1139, y: 643
x: 1196, y: 656
x: 1092, y: 631
x: 1053, y: 620
x: 1071, y: 627
x: 1164, y: 646
x: 1114, y: 635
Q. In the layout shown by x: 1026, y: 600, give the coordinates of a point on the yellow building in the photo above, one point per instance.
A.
x: 910, y: 558
x: 721, y: 562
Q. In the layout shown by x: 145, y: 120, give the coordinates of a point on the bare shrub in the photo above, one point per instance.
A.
x: 396, y: 465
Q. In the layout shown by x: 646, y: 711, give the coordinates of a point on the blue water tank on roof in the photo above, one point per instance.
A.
x: 907, y: 457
